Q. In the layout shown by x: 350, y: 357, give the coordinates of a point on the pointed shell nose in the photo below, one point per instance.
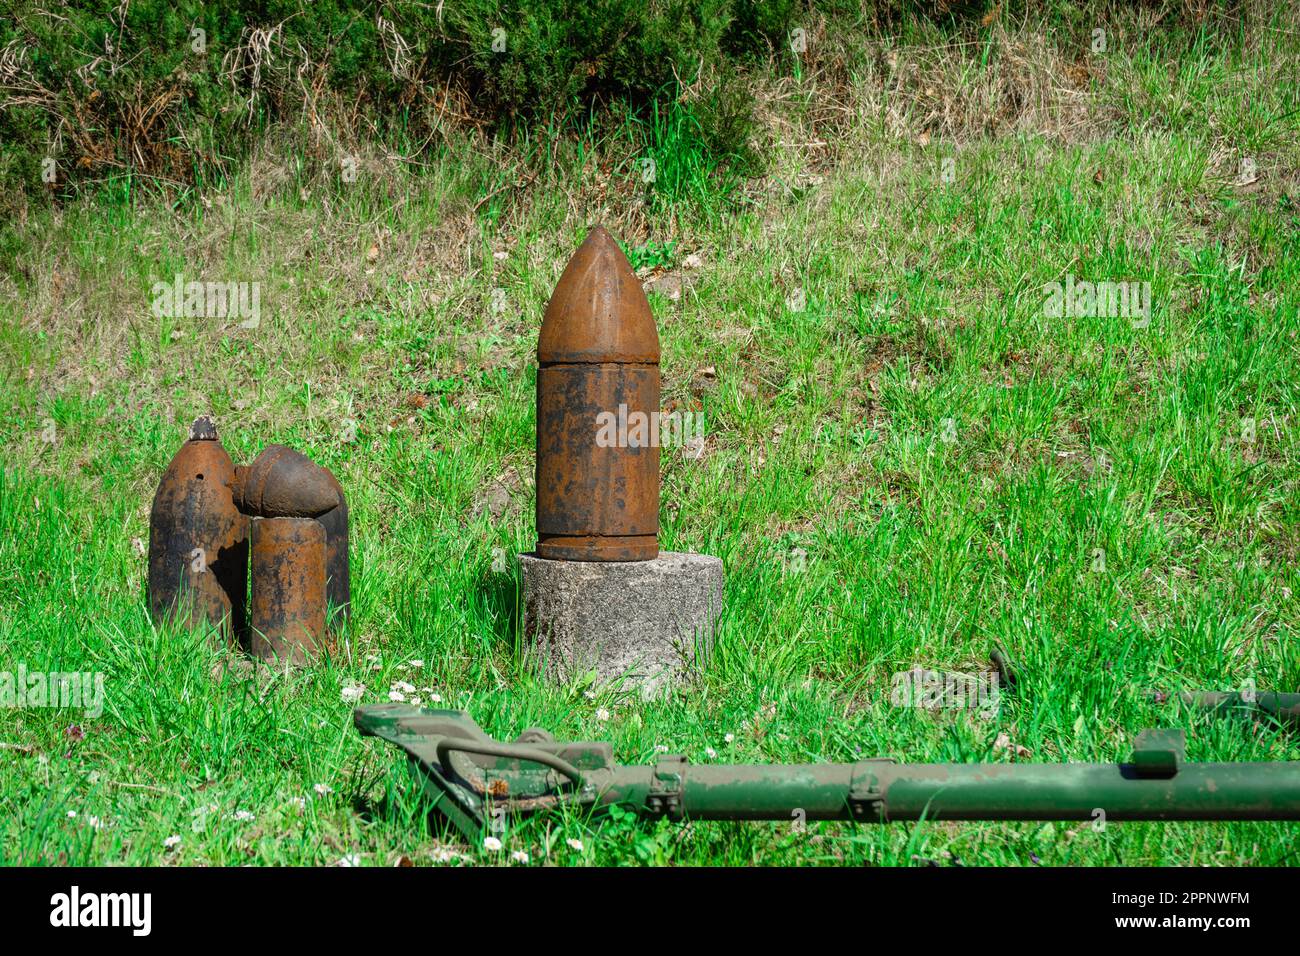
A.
x: 598, y: 312
x: 203, y: 429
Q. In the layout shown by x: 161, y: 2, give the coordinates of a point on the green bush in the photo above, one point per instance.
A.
x: 107, y: 88
x: 549, y: 54
x: 760, y: 28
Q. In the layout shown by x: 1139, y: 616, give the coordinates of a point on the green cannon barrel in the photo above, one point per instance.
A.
x: 877, y: 791
x: 468, y: 775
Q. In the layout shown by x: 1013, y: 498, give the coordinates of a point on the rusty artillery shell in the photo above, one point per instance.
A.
x: 338, y: 574
x: 198, y: 540
x: 283, y: 483
x: 597, y: 391
x: 288, y: 607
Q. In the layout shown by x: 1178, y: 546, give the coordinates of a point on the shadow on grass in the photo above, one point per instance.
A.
x: 499, y: 598
x: 386, y: 810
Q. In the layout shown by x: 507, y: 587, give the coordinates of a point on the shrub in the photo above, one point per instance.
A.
x: 106, y: 88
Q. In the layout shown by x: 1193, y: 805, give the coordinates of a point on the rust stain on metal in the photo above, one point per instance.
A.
x: 597, y: 355
x: 198, y: 539
x: 288, y: 569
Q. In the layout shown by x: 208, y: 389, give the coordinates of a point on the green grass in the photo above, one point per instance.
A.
x: 951, y: 461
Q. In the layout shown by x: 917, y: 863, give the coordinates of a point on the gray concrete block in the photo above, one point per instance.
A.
x: 649, y: 622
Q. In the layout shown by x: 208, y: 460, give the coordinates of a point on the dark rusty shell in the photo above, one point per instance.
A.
x: 198, y: 539
x: 338, y: 585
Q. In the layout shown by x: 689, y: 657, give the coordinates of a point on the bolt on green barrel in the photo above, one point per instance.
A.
x: 467, y: 775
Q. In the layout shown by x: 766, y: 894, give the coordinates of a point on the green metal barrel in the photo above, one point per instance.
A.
x: 877, y: 791
x: 468, y: 775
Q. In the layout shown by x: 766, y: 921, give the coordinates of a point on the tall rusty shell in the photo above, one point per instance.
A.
x: 198, y: 539
x: 597, y: 355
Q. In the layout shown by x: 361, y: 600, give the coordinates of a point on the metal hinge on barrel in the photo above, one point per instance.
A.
x: 866, y: 798
x: 667, y: 787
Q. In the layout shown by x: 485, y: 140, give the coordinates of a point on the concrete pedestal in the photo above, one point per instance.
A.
x: 645, y: 621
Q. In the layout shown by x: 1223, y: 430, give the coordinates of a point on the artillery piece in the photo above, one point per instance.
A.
x: 467, y: 776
